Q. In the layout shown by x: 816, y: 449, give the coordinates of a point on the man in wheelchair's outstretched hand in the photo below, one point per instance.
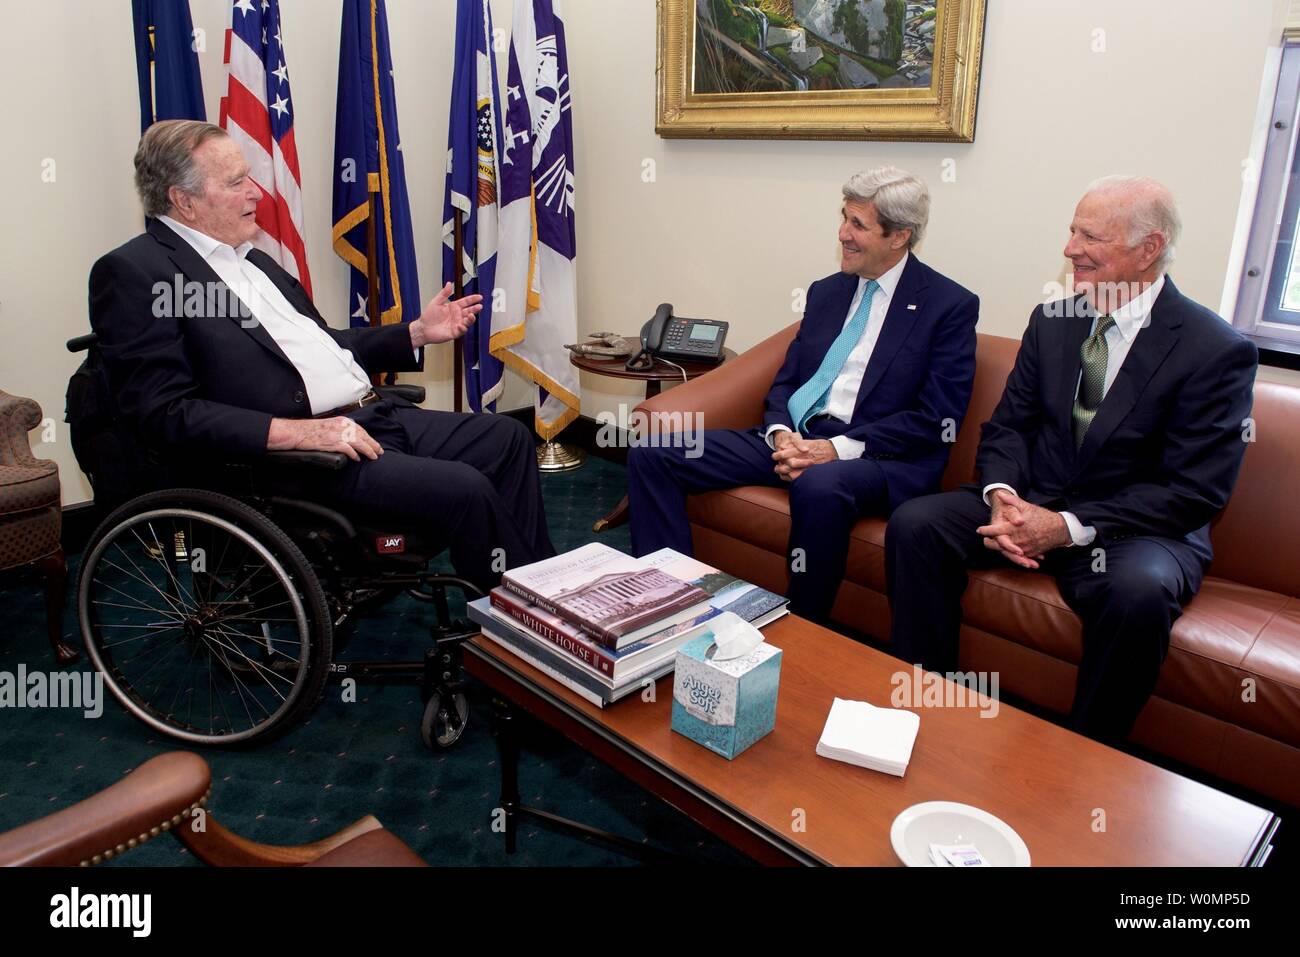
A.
x: 209, y: 344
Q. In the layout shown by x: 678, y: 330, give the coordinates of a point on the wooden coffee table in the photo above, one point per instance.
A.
x: 780, y: 803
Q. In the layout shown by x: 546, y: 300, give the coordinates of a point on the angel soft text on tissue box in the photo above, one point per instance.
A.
x: 725, y: 704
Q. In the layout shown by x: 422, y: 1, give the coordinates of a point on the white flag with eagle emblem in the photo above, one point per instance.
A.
x: 537, y: 254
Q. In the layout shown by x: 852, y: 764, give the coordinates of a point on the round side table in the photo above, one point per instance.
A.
x: 653, y: 378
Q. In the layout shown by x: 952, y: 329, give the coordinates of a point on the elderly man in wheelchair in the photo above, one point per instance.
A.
x: 266, y: 489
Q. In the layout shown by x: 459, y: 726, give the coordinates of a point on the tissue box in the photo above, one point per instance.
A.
x: 725, y: 705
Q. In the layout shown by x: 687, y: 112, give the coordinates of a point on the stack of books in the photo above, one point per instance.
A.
x: 604, y: 624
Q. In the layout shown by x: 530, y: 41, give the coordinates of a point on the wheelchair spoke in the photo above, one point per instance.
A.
x: 126, y: 641
x: 240, y: 687
x: 260, y: 669
x: 221, y: 699
x: 118, y: 604
x: 166, y: 565
x: 155, y: 625
x: 194, y: 649
x: 255, y: 619
x: 254, y: 615
x: 239, y: 588
x: 167, y: 651
x: 175, y: 608
x: 255, y: 612
x: 144, y: 577
x: 260, y: 640
x: 237, y: 685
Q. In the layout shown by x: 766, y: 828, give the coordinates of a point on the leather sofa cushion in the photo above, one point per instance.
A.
x: 1229, y: 633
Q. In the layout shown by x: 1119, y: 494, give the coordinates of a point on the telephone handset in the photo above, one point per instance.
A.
x: 674, y: 337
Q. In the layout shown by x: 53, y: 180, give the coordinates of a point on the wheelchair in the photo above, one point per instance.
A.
x: 214, y: 598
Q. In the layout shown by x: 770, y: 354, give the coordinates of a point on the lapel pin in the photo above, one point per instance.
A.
x: 912, y: 306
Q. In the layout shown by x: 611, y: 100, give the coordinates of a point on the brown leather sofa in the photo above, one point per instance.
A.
x: 1228, y: 699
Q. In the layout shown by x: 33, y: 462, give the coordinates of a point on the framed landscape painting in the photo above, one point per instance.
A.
x: 819, y: 69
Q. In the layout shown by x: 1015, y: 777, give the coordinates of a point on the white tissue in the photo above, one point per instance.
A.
x: 733, y: 637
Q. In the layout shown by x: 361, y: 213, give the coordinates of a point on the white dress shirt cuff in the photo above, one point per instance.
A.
x: 847, y: 448
x: 771, y: 431
x: 1080, y: 534
x: 988, y: 490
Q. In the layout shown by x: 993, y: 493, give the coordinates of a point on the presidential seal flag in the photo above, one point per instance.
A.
x: 536, y: 311
x: 472, y: 183
x: 257, y: 112
x: 368, y: 159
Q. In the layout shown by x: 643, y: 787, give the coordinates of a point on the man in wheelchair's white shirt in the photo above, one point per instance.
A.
x: 329, y: 371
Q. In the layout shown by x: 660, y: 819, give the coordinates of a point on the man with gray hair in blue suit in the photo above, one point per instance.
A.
x: 861, y: 415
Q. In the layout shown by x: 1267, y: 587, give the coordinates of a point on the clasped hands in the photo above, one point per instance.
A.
x: 795, y: 454
x: 1021, y: 531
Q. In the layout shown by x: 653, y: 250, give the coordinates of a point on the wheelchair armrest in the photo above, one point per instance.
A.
x: 330, y: 461
x: 411, y: 393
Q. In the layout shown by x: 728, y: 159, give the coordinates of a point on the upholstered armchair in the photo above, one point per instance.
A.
x: 170, y: 793
x: 30, y: 516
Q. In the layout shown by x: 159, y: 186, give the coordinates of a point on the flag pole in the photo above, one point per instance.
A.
x: 372, y: 271
x: 458, y: 289
x: 153, y: 75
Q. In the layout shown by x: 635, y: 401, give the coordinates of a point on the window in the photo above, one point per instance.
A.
x: 1268, y: 292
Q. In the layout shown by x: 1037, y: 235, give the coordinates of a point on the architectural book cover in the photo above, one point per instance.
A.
x: 609, y: 595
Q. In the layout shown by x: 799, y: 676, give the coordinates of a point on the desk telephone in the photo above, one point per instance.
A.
x: 677, y: 338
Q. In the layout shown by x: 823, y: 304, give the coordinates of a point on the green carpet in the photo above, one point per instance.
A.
x: 350, y: 759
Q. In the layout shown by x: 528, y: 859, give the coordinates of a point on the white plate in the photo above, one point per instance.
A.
x: 944, y: 822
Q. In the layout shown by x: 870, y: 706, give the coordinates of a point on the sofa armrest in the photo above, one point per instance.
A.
x: 18, y: 416
x: 729, y: 397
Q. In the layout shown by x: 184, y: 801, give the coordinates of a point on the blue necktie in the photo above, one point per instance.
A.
x: 810, y: 398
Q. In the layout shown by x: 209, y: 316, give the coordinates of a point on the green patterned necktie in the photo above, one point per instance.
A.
x: 1092, y: 383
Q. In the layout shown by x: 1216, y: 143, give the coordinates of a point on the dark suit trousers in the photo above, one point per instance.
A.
x: 467, y: 482
x: 825, y: 501
x: 1127, y: 606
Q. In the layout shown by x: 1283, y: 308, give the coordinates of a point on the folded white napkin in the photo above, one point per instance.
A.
x: 877, y: 738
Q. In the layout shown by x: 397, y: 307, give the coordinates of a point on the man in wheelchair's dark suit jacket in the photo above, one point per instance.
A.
x: 219, y: 382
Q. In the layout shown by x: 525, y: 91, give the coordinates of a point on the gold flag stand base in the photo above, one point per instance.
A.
x: 555, y: 457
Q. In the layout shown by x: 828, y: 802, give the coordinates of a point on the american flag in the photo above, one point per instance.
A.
x: 257, y: 111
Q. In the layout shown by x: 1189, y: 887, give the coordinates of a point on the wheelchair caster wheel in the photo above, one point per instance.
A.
x: 443, y: 725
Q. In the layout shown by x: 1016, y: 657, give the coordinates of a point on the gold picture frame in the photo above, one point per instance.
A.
x: 831, y: 89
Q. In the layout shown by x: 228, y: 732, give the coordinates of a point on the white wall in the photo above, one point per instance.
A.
x: 727, y: 230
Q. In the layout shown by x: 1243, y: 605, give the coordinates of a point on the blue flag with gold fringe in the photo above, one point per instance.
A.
x: 368, y: 158
x: 166, y: 64
x: 471, y: 190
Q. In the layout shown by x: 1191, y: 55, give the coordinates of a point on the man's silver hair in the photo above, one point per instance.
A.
x: 165, y: 158
x: 901, y: 199
x: 1151, y: 209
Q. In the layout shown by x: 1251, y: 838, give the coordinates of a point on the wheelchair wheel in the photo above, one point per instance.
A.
x: 443, y: 725
x: 204, y: 618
